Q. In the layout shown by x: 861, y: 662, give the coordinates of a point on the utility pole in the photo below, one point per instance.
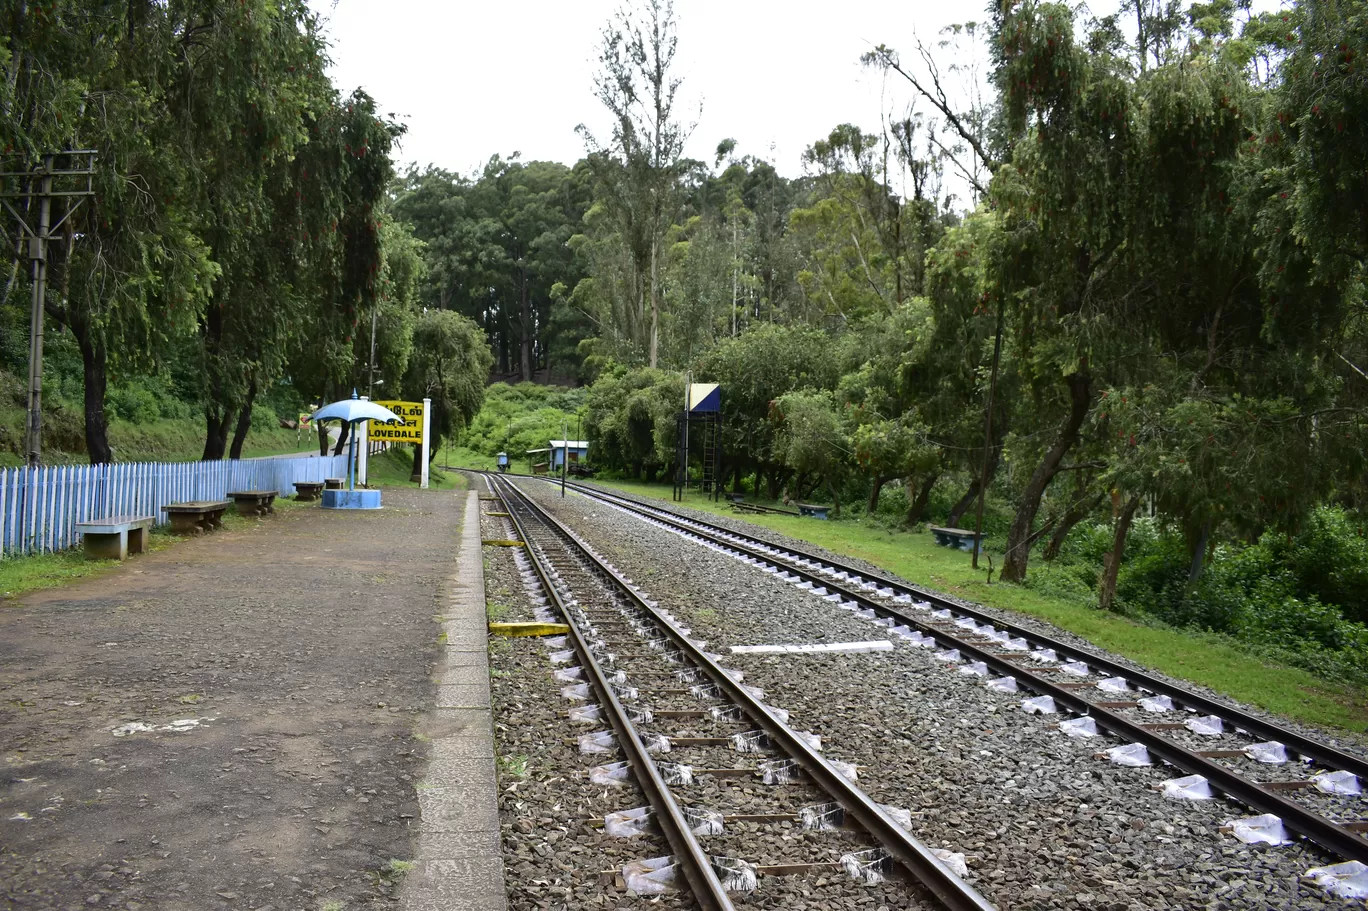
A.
x: 987, y: 436
x: 36, y: 185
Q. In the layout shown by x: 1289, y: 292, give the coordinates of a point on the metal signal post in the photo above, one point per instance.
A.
x: 42, y: 185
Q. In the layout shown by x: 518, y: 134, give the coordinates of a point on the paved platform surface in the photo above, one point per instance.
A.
x: 242, y: 721
x: 460, y: 864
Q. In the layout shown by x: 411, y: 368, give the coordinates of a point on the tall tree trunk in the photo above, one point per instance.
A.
x: 963, y: 504
x: 874, y: 491
x: 1111, y: 564
x: 1018, y: 555
x: 94, y: 359
x: 1197, y: 546
x: 216, y: 435
x: 342, y: 437
x: 835, y: 498
x: 917, y: 508
x: 1077, y: 511
x: 244, y: 423
x: 655, y: 303
x: 416, y: 472
x: 322, y: 439
x: 525, y: 345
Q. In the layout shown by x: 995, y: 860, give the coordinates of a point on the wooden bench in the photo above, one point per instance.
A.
x: 958, y: 538
x: 308, y: 490
x: 116, y: 537
x: 812, y: 511
x: 253, y: 502
x: 197, y: 516
x: 334, y: 483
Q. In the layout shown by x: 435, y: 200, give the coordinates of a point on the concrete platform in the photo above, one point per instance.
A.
x: 459, y: 865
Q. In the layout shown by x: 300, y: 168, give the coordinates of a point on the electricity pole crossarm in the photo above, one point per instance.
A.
x: 74, y: 182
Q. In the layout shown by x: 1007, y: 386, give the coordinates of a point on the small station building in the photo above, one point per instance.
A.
x: 578, y: 451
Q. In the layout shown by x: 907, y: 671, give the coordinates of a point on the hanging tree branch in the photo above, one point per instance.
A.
x: 887, y: 58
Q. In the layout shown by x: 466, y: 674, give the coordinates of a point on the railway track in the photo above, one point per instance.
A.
x: 644, y: 670
x: 1048, y: 667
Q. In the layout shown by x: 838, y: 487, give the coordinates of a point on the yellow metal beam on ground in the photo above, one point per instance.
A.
x: 528, y: 629
x: 502, y: 542
x: 492, y: 499
x: 503, y: 515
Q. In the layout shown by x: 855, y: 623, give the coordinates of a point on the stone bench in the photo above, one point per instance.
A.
x: 334, y: 483
x: 813, y: 511
x: 195, y: 517
x: 116, y: 537
x: 253, y: 502
x: 958, y: 538
x: 736, y: 497
x: 308, y: 490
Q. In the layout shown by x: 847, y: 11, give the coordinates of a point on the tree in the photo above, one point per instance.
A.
x: 640, y: 167
x: 450, y: 365
x: 810, y: 439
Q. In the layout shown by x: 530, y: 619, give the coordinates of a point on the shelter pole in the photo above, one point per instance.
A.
x: 363, y: 453
x: 351, y: 459
x: 427, y: 433
x: 565, y: 452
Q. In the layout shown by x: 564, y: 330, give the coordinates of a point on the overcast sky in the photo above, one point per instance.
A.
x: 471, y: 79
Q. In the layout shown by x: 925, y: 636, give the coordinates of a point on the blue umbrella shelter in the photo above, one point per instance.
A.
x: 353, y: 411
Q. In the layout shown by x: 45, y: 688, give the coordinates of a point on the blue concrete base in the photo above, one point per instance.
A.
x: 351, y: 499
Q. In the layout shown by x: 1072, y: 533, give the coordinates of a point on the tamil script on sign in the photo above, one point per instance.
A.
x: 411, y: 431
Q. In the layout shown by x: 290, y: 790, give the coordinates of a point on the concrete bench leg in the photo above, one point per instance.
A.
x: 183, y: 523
x: 137, y: 540
x: 106, y: 547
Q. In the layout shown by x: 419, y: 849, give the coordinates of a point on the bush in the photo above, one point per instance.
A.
x: 1327, y: 560
x: 135, y: 404
x: 264, y: 418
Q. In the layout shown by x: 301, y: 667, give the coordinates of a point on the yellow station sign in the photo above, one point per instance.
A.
x: 411, y: 431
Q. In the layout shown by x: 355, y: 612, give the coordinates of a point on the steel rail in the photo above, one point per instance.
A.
x: 903, y: 847
x: 1328, y: 834
x: 693, y: 861
x: 1323, y: 754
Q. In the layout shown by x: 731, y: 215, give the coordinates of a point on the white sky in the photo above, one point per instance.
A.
x: 471, y: 78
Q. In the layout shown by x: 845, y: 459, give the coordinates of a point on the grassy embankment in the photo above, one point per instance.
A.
x: 393, y: 469
x: 157, y: 441
x: 1209, y: 660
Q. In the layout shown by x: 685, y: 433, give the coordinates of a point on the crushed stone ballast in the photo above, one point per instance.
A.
x: 610, y: 618
x: 1008, y: 649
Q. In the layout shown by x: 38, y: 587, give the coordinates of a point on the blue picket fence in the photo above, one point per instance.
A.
x: 39, y: 507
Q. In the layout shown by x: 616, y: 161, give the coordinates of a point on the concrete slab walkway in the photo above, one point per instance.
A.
x: 459, y: 862
x: 236, y: 722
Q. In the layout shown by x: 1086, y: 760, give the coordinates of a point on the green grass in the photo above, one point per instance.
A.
x: 158, y: 441
x: 461, y: 457
x: 392, y: 469
x: 1202, y: 658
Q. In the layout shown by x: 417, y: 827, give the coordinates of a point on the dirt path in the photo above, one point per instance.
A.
x: 303, y: 649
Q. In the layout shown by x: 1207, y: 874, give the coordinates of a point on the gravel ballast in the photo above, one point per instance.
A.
x: 1045, y: 824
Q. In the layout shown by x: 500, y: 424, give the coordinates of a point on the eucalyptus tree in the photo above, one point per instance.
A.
x: 640, y: 165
